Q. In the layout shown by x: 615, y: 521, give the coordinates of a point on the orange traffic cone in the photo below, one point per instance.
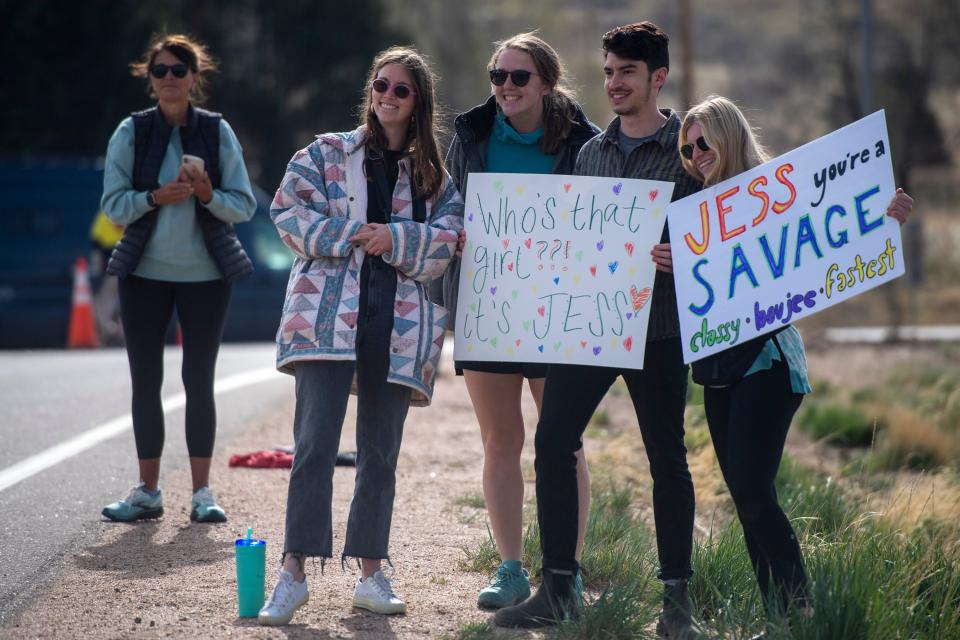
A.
x: 81, y: 334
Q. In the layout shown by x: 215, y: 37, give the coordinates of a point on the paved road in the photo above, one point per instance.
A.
x: 49, y: 398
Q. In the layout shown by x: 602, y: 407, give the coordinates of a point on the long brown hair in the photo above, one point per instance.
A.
x: 726, y: 131
x: 559, y: 106
x: 187, y: 50
x: 421, y: 141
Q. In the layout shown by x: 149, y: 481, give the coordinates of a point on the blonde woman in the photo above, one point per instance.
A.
x: 749, y: 419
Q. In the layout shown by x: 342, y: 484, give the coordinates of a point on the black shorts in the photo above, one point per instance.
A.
x: 528, y: 369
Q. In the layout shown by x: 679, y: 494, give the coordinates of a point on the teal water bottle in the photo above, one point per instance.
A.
x: 251, y: 557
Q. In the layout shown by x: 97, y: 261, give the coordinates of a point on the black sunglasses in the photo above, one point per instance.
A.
x: 520, y: 77
x: 159, y: 70
x: 687, y: 150
x: 402, y: 91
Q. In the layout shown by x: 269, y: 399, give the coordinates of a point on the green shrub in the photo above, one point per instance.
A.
x: 840, y: 425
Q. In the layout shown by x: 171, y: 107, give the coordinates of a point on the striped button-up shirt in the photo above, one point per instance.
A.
x: 656, y: 159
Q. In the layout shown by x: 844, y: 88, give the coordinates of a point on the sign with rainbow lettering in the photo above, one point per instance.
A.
x: 785, y: 240
x: 558, y: 268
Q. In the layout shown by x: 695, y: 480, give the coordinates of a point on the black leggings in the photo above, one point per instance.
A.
x: 146, y: 307
x: 748, y: 422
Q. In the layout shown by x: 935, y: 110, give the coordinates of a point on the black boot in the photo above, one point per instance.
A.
x: 555, y: 601
x: 675, y: 621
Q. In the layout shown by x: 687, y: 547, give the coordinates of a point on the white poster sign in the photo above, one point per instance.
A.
x: 558, y: 268
x: 785, y: 240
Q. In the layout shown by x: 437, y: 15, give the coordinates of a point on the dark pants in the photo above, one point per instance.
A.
x: 571, y: 395
x: 748, y: 423
x: 146, y: 307
x: 323, y: 387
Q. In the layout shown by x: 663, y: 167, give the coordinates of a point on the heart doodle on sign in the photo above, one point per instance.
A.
x: 596, y: 351
x: 557, y: 345
x: 613, y: 266
x: 498, y: 186
x: 527, y: 243
x: 473, y: 307
x: 514, y: 294
x: 542, y: 311
x: 617, y: 187
x: 593, y: 270
x: 628, y: 343
x: 520, y: 190
x: 540, y: 348
x: 510, y: 267
x: 470, y: 217
x: 629, y: 314
x: 556, y: 281
x: 493, y: 341
x: 600, y: 246
x: 576, y: 279
x: 653, y: 194
x: 566, y: 187
x: 578, y: 255
x: 506, y: 242
x: 583, y: 344
x: 526, y: 325
x: 493, y: 291
x: 517, y: 342
x: 639, y: 297
x: 629, y: 247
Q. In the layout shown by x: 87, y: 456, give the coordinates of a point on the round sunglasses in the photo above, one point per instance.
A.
x: 159, y: 70
x: 519, y: 77
x: 687, y: 150
x: 402, y: 91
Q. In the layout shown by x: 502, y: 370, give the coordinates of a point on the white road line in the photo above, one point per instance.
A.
x: 46, y: 459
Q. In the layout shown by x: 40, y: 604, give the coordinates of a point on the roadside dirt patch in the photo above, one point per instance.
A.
x: 174, y: 579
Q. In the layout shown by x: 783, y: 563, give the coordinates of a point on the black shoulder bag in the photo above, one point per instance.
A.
x: 730, y: 365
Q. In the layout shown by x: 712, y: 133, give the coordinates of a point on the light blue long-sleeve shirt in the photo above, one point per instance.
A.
x: 176, y: 251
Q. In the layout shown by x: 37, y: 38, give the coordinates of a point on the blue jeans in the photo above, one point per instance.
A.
x: 323, y: 388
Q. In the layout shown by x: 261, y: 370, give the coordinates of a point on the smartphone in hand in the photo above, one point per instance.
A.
x: 193, y: 161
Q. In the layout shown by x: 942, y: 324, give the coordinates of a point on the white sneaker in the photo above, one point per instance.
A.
x: 375, y: 594
x: 288, y: 596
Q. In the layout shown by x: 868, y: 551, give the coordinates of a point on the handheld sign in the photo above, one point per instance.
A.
x: 785, y: 240
x: 558, y: 268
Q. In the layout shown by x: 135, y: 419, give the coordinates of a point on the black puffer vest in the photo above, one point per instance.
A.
x: 200, y: 137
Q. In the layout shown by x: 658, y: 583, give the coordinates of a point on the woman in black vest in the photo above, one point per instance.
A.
x: 175, y: 176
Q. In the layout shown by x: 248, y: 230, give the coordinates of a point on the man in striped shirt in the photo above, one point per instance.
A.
x: 641, y: 142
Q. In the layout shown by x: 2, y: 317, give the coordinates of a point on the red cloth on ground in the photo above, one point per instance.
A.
x: 263, y: 460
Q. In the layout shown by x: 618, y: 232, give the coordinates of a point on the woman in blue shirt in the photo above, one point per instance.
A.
x: 175, y: 177
x: 749, y: 414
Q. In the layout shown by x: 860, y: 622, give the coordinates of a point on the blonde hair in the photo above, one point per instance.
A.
x: 728, y: 133
x: 559, y: 106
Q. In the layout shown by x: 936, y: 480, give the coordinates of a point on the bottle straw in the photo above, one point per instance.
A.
x: 249, y: 532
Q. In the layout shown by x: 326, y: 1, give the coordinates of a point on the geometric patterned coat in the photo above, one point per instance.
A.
x: 321, y: 203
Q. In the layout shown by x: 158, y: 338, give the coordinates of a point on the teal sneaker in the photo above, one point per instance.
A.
x: 138, y: 505
x: 578, y: 587
x: 204, y: 507
x: 510, y: 585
